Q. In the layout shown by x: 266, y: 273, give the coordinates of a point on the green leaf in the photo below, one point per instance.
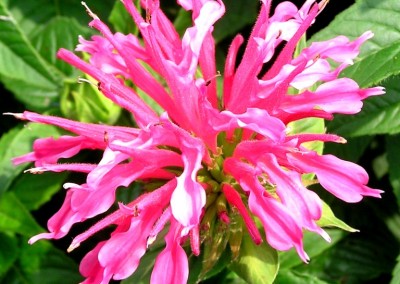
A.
x: 14, y: 217
x: 329, y: 219
x: 393, y: 158
x: 376, y: 67
x: 8, y: 252
x: 381, y: 17
x: 197, y: 265
x: 22, y: 70
x: 314, y: 245
x: 239, y: 13
x: 294, y: 277
x: 356, y: 258
x: 31, y: 15
x: 121, y: 20
x: 182, y: 21
x: 352, y: 151
x: 256, y: 264
x: 18, y: 142
x: 30, y: 34
x: 43, y: 263
x: 309, y: 125
x: 396, y: 272
x: 84, y: 102
x: 379, y: 116
x: 35, y: 190
x: 59, y: 32
x: 380, y: 166
x: 224, y: 259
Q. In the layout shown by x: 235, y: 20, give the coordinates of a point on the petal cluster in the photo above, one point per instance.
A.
x: 210, y: 153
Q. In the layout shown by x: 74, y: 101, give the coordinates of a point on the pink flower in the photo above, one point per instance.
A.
x: 234, y: 147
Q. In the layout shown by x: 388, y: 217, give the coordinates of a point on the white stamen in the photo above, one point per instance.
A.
x: 69, y: 185
x: 91, y: 14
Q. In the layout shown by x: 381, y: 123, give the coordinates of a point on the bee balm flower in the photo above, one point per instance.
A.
x: 209, y: 158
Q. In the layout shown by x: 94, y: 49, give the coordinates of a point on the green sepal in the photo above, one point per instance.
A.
x: 329, y: 219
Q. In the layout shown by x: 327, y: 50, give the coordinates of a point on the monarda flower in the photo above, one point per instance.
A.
x: 215, y: 157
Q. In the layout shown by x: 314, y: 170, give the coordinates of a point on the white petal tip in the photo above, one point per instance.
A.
x: 16, y: 115
x: 72, y: 247
x: 35, y: 171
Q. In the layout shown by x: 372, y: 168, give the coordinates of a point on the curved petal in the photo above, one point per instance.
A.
x: 171, y: 264
x: 343, y: 179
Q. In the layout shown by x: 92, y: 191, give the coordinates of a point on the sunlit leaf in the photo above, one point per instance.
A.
x: 256, y: 264
x: 329, y: 219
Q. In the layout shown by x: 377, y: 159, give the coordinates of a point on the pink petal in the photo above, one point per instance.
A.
x: 254, y: 119
x: 50, y: 150
x: 189, y: 197
x: 281, y: 229
x: 343, y: 179
x: 171, y: 264
x: 120, y: 256
x: 338, y: 96
x: 91, y: 269
x: 305, y: 205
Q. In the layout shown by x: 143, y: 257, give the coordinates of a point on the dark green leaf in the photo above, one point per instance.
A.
x: 396, y: 273
x: 183, y: 21
x: 42, y: 263
x: 14, y: 276
x: 376, y: 67
x: 355, y: 259
x: 223, y: 260
x: 35, y: 190
x: 393, y: 157
x: 8, y: 252
x: 256, y: 264
x: 380, y: 166
x: 232, y: 278
x: 294, y: 277
x: 314, y: 245
x: 379, y: 116
x: 22, y: 69
x: 46, y: 25
x: 197, y: 264
x: 31, y: 15
x: 239, y: 13
x: 59, y: 32
x: 352, y: 151
x: 14, y: 217
x: 121, y: 20
x: 18, y: 142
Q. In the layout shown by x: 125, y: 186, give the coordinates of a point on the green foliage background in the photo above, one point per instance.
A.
x: 32, y: 78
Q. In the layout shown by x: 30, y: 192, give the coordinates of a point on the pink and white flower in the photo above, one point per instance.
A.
x: 233, y: 145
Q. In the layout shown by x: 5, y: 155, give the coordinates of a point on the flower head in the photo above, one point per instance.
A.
x: 212, y: 156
